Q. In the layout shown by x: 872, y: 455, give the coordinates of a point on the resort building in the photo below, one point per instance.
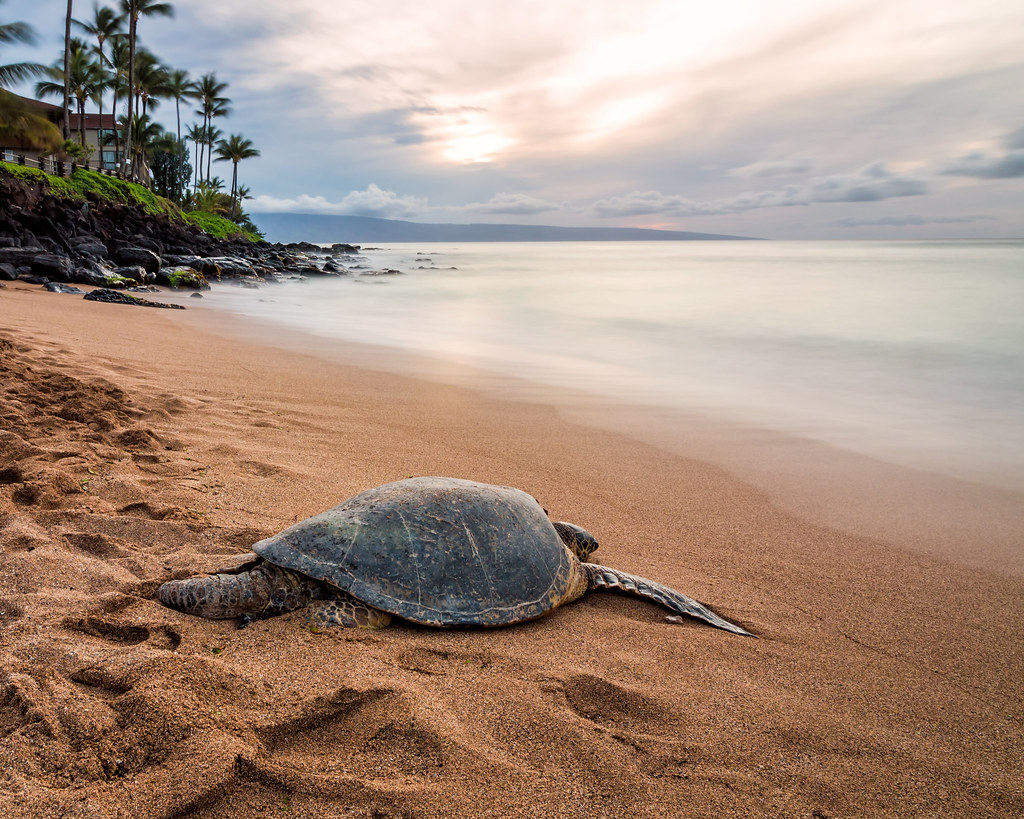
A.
x: 99, y: 140
x: 99, y: 134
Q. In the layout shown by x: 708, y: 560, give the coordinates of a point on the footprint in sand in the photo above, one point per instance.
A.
x: 128, y: 634
x: 367, y: 742
x: 611, y: 705
x: 96, y: 545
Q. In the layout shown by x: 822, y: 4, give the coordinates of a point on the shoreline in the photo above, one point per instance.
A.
x: 968, y: 522
x: 146, y: 444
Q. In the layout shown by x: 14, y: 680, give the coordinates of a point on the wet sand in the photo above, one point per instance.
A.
x: 138, y: 445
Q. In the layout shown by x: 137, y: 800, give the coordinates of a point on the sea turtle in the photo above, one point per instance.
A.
x: 436, y: 551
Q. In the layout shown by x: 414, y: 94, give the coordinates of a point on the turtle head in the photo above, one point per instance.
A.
x: 582, y: 543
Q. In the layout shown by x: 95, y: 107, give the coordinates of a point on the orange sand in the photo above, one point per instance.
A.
x: 138, y: 444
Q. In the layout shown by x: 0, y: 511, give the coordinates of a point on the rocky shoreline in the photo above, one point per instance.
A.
x: 56, y: 242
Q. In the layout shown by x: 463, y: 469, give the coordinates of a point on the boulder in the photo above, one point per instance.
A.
x: 178, y: 259
x: 137, y: 256
x: 224, y: 266
x: 90, y: 246
x: 19, y: 255
x: 52, y: 266
x: 136, y: 273
x: 182, y: 277
x: 144, y: 242
x: 57, y: 287
x: 7, y: 272
x: 116, y: 297
x: 91, y: 272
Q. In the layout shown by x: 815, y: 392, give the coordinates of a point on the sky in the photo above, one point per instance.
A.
x: 794, y: 119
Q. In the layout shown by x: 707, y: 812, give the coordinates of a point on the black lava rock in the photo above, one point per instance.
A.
x: 118, y: 297
x: 132, y: 256
x: 57, y: 287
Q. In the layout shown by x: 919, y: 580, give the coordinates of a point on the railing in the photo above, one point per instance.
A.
x: 48, y: 164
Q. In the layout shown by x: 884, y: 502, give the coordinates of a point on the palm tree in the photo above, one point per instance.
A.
x: 208, y: 92
x: 105, y: 25
x: 17, y: 72
x: 133, y: 10
x: 146, y: 137
x: 118, y: 81
x: 180, y: 87
x: 151, y: 80
x: 197, y: 135
x: 210, y: 136
x: 234, y: 149
x: 208, y: 198
x: 83, y: 78
x: 213, y: 134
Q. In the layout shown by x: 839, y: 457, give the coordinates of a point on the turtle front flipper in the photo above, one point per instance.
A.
x: 601, y: 577
x: 265, y: 589
x: 342, y: 609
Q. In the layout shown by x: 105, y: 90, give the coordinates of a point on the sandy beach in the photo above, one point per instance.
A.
x: 140, y: 445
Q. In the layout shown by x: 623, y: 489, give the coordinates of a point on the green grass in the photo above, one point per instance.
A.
x: 33, y: 176
x: 111, y: 189
x: 218, y: 226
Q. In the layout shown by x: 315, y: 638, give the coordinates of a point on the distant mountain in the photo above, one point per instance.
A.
x: 307, y: 227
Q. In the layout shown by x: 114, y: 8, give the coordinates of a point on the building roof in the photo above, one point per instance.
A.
x: 39, y: 105
x: 54, y: 113
x: 94, y: 122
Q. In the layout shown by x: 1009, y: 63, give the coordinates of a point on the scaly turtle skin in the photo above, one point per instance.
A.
x: 436, y: 551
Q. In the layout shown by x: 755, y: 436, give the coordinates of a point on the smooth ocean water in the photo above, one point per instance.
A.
x: 911, y: 352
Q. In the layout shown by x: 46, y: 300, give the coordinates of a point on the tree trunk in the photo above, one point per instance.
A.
x: 113, y: 116
x: 131, y: 90
x: 202, y: 148
x: 67, y: 71
x: 99, y: 129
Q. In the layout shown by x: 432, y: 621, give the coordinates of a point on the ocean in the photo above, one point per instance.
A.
x: 907, y: 352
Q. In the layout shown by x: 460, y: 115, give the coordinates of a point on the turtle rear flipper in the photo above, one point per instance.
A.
x: 601, y: 577
x: 264, y: 590
x: 341, y: 609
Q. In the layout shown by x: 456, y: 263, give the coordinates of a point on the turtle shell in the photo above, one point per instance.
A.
x: 437, y: 551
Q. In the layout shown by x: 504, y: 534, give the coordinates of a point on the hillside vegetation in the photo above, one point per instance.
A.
x: 118, y: 191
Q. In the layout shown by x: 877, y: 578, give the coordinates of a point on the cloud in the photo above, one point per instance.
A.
x: 374, y: 201
x: 512, y: 203
x: 1007, y: 164
x: 906, y: 221
x: 402, y: 126
x: 872, y: 183
x: 779, y: 167
x: 644, y: 203
x: 1015, y: 139
x: 988, y: 166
